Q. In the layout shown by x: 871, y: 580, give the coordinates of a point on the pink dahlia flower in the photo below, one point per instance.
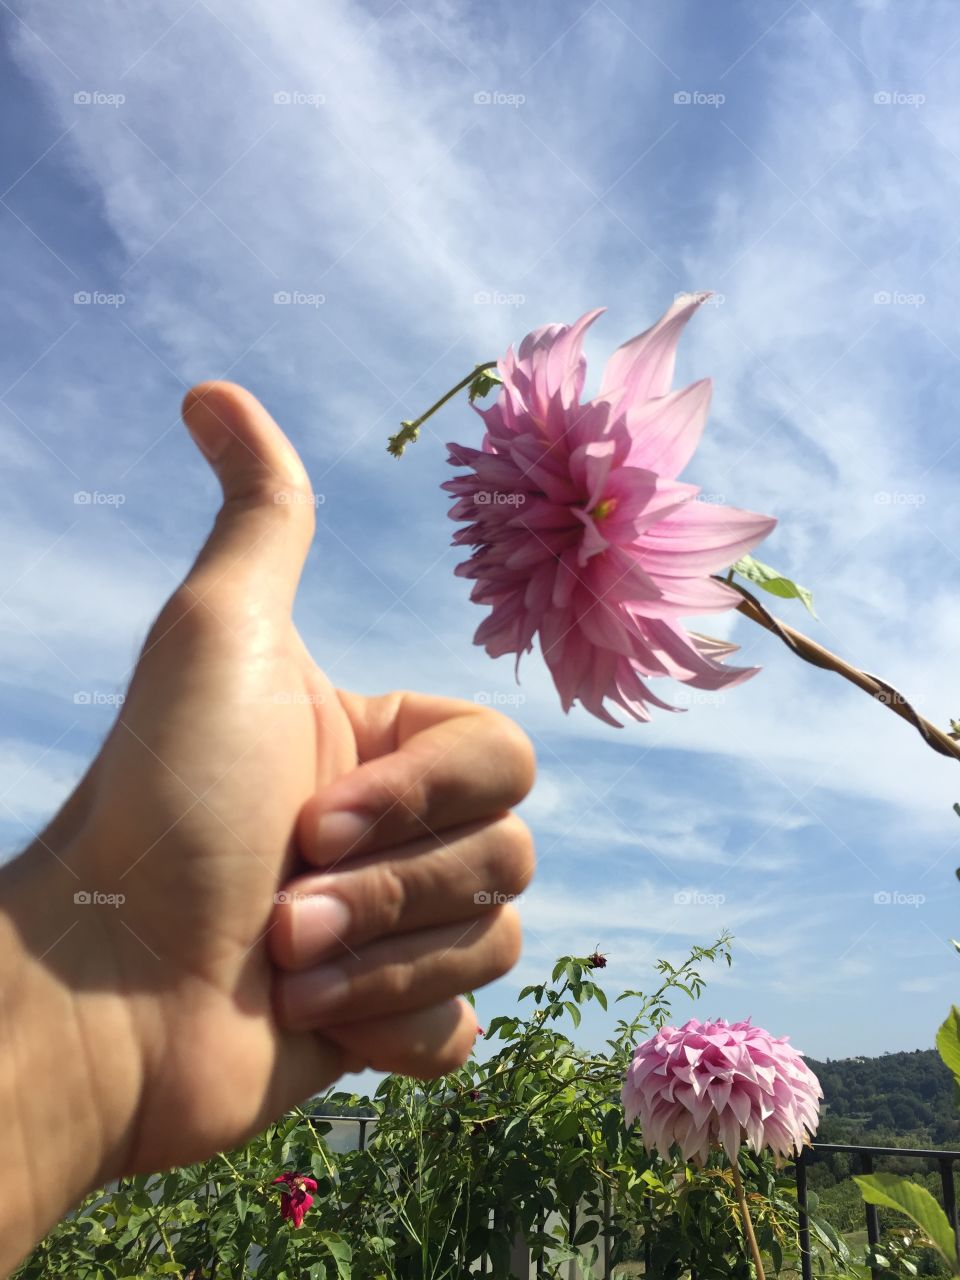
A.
x: 582, y: 533
x: 296, y: 1200
x: 709, y: 1084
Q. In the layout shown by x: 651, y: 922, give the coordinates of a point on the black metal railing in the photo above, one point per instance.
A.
x: 361, y: 1121
x: 865, y: 1157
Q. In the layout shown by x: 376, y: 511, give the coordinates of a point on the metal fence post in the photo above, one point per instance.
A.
x: 950, y: 1198
x: 873, y: 1215
x: 803, y: 1222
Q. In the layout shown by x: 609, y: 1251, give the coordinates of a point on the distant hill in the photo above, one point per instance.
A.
x: 898, y: 1099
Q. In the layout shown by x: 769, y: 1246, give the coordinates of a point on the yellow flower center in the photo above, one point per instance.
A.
x: 604, y: 508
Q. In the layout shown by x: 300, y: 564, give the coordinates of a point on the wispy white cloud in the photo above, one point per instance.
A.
x: 399, y: 198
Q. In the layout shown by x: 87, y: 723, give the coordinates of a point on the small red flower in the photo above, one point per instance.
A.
x: 481, y: 1032
x: 295, y: 1202
x: 597, y: 961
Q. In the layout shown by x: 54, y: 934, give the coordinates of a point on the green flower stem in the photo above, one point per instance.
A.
x: 164, y: 1237
x: 410, y: 428
x: 748, y: 1231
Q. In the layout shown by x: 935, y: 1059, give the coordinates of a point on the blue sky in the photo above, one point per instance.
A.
x: 811, y: 180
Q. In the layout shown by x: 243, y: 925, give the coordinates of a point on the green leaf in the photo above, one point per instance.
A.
x: 483, y: 384
x: 770, y: 580
x: 341, y: 1253
x: 917, y: 1203
x: 573, y: 1011
x: 948, y: 1042
x: 586, y: 1232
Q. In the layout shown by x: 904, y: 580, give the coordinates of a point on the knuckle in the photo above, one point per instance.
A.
x: 511, y: 943
x: 384, y: 900
x: 513, y: 855
x: 449, y: 1059
x: 287, y: 499
x: 504, y: 944
x: 404, y: 804
x: 394, y: 982
x: 515, y: 752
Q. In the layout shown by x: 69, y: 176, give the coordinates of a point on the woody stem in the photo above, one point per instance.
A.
x: 816, y: 654
x: 748, y: 1231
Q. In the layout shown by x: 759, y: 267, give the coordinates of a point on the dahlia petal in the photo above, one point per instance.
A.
x: 667, y: 430
x: 634, y: 696
x: 590, y: 466
x: 565, y: 366
x: 643, y: 367
x: 686, y: 661
x: 730, y: 1134
x: 566, y: 580
x: 700, y: 538
x: 607, y: 627
x: 593, y: 542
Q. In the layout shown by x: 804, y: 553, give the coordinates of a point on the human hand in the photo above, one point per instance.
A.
x: 152, y: 1024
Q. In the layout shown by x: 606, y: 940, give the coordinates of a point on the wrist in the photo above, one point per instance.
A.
x: 69, y: 1080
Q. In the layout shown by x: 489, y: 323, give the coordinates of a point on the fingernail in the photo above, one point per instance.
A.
x: 319, y: 921
x: 212, y: 437
x: 314, y: 992
x: 343, y: 831
x: 207, y: 418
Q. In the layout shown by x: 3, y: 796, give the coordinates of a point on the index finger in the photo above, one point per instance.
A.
x: 427, y: 764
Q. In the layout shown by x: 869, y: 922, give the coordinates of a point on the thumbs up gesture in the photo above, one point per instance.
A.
x: 261, y: 881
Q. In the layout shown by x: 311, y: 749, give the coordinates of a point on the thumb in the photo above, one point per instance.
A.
x: 265, y: 526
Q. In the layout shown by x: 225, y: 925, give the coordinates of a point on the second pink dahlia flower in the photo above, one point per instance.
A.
x: 717, y: 1084
x: 582, y: 533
